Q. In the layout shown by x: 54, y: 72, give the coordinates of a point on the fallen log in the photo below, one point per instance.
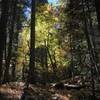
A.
x: 72, y: 86
x: 62, y: 86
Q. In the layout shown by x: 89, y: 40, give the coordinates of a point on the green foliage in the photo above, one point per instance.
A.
x: 46, y: 35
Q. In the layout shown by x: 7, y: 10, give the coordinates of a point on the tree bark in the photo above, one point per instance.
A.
x: 3, y: 27
x: 90, y: 51
x: 11, y: 31
x: 31, y: 78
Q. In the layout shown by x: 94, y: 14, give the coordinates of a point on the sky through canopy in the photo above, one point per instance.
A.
x: 53, y: 1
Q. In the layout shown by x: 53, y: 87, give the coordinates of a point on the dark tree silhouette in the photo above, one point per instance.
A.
x: 3, y: 27
x: 11, y: 31
x: 32, y: 45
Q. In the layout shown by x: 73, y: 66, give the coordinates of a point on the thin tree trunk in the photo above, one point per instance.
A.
x: 31, y: 78
x: 55, y: 62
x: 71, y: 52
x: 52, y: 63
x: 46, y: 61
x: 50, y: 58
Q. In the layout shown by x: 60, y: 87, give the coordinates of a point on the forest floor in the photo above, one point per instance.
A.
x: 17, y: 91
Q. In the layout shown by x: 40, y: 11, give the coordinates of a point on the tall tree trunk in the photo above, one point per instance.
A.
x: 3, y: 26
x: 11, y: 31
x: 93, y: 42
x: 71, y: 52
x: 16, y: 38
x: 90, y: 50
x: 31, y: 78
x: 71, y: 39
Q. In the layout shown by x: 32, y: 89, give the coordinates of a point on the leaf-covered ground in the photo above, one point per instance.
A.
x: 17, y: 91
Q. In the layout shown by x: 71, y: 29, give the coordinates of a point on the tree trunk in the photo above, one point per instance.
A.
x: 13, y: 73
x: 11, y: 31
x: 31, y: 78
x: 90, y: 51
x: 3, y: 26
x: 46, y: 63
x: 93, y: 42
x: 15, y: 40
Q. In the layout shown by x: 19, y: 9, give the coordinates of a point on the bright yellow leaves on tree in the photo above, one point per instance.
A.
x: 49, y: 8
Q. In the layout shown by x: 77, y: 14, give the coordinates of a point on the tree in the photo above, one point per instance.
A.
x: 3, y: 32
x: 32, y: 45
x: 11, y: 31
